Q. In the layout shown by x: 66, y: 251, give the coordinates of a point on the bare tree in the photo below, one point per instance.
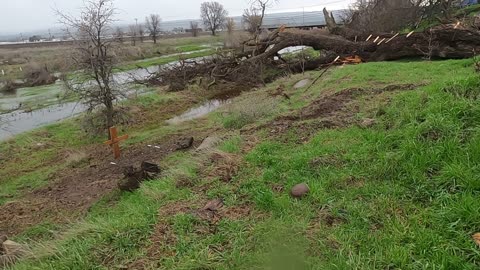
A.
x: 141, y: 32
x: 119, y: 35
x: 253, y: 17
x: 230, y: 25
x: 194, y: 28
x: 369, y: 16
x: 153, y: 25
x: 94, y: 55
x: 252, y: 20
x: 133, y: 33
x: 213, y: 16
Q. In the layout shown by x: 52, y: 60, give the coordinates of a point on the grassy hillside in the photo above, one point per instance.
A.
x: 390, y: 151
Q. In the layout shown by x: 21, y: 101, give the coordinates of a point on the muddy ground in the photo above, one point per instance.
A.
x: 80, y: 188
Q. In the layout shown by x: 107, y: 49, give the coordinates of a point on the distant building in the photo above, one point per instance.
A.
x: 311, y: 19
x: 469, y: 2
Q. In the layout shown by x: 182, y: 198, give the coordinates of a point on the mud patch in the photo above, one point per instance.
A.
x: 336, y: 110
x: 221, y: 165
x: 77, y: 189
x: 163, y: 239
x: 329, y: 107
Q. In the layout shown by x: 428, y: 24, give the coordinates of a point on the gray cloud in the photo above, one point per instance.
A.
x: 28, y: 15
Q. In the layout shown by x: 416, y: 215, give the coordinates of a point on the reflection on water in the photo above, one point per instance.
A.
x: 18, y: 122
x: 198, y: 112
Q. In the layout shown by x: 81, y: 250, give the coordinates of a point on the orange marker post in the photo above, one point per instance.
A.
x: 114, y: 141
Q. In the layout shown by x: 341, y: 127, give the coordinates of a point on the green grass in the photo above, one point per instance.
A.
x: 469, y: 11
x: 161, y: 60
x: 305, y: 55
x: 402, y: 194
x: 190, y: 48
x: 34, y: 156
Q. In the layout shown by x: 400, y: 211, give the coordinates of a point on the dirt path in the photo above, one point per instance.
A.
x: 74, y: 191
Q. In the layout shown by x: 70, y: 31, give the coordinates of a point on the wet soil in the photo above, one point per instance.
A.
x: 331, y: 111
x: 75, y: 190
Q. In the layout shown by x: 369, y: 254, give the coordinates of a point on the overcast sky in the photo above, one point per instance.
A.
x: 28, y: 15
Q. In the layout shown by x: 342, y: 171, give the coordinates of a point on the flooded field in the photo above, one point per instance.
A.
x: 43, y: 105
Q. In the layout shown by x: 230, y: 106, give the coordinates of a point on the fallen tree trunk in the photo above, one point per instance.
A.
x: 446, y: 41
x: 249, y: 69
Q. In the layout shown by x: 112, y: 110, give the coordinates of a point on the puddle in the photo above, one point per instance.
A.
x: 200, y: 111
x: 211, y: 105
x: 19, y: 122
x: 37, y: 95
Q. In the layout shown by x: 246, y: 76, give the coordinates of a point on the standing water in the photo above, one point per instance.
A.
x: 18, y: 122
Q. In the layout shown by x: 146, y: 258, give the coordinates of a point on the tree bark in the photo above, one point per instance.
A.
x: 446, y: 41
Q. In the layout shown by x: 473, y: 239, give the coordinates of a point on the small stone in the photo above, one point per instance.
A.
x: 299, y: 190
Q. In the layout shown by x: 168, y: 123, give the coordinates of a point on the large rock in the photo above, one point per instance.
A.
x: 299, y: 190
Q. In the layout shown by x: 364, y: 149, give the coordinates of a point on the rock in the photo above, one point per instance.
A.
x: 299, y: 190
x: 184, y: 143
x: 368, y: 122
x: 213, y: 205
x: 209, y: 143
x: 301, y: 84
